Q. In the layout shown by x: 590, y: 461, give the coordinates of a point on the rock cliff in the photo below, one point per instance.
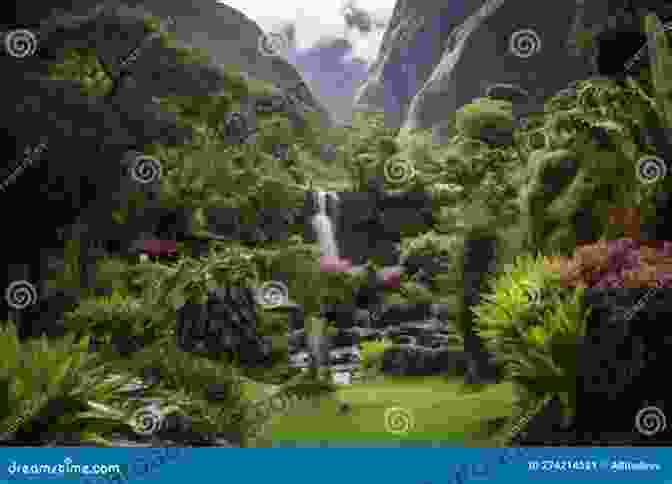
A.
x: 435, y: 58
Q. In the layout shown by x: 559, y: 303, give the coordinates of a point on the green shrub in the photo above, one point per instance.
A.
x: 534, y: 327
x: 112, y: 318
x: 49, y: 389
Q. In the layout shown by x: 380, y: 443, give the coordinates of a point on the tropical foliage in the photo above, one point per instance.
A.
x: 535, y: 327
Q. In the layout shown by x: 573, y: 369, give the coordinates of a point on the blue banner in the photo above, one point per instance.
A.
x: 337, y: 465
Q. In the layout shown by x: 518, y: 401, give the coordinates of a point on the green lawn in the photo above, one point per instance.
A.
x: 440, y: 412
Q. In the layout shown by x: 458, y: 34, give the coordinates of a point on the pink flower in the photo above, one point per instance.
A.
x: 390, y: 277
x: 334, y: 264
x: 158, y: 248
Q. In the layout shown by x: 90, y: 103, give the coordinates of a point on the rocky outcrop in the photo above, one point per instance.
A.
x: 226, y: 324
x: 435, y: 59
x: 413, y: 360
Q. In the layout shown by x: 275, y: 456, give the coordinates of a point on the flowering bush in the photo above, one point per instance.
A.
x: 621, y: 263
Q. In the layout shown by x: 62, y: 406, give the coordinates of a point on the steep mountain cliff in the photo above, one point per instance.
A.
x: 435, y: 58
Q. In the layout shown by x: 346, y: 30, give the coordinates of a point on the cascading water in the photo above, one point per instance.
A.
x: 324, y: 230
x: 323, y: 226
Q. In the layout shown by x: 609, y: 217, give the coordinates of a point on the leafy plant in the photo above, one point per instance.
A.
x: 113, y: 318
x: 534, y: 328
x: 56, y: 388
x: 661, y: 66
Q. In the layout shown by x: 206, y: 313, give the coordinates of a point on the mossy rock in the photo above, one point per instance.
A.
x: 568, y: 193
x: 484, y: 114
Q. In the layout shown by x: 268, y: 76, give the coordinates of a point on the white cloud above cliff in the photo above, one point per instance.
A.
x: 316, y: 19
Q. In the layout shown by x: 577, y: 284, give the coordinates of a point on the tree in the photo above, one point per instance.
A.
x: 86, y: 95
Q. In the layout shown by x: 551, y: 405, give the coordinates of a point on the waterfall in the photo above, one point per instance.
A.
x: 324, y: 229
x: 323, y: 226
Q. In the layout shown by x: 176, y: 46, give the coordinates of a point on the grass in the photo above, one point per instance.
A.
x: 441, y: 411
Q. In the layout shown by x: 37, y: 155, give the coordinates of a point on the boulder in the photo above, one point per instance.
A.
x: 411, y: 360
x: 345, y: 337
x: 403, y: 313
x: 429, y: 264
x: 227, y: 323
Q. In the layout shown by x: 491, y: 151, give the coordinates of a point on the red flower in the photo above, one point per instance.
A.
x: 158, y: 248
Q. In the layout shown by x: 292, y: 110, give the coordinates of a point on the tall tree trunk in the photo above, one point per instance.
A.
x: 318, y: 342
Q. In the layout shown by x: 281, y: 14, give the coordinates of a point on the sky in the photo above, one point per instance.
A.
x: 317, y: 19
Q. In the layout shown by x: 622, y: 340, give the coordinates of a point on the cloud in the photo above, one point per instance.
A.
x: 332, y: 42
x: 362, y: 23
